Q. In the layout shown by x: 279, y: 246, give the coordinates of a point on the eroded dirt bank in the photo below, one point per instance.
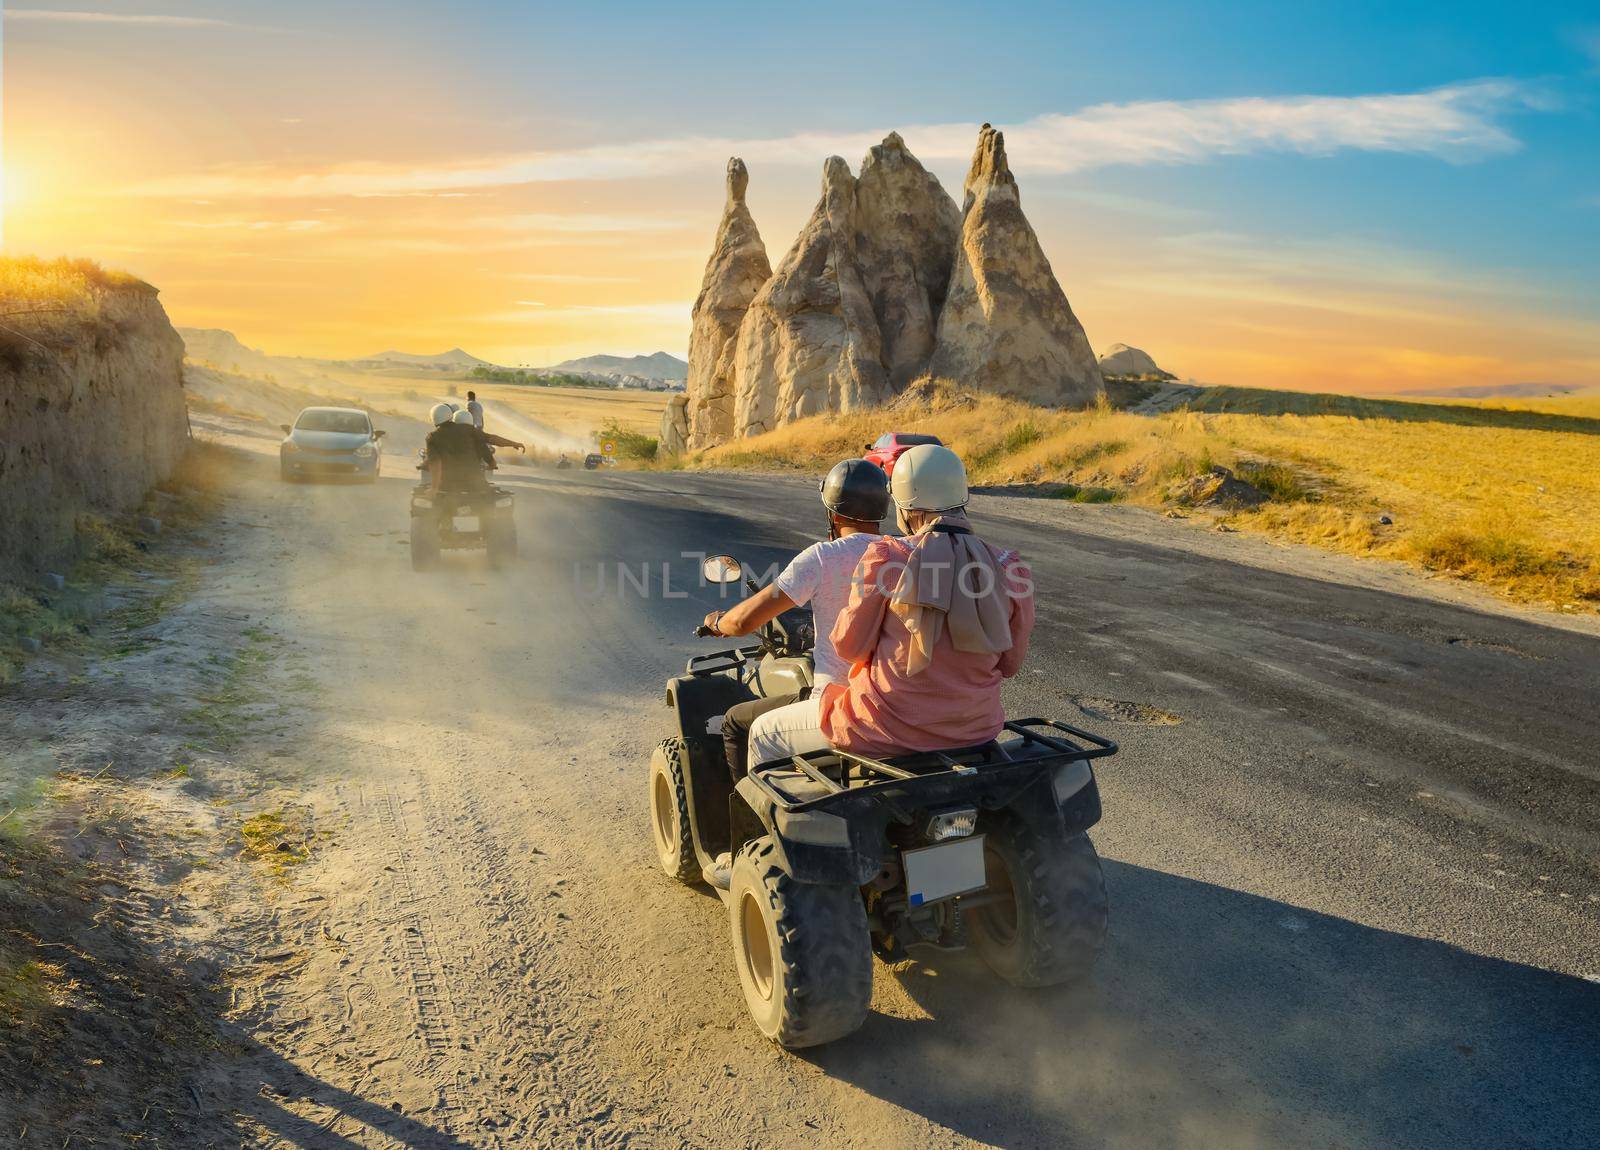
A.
x: 401, y: 891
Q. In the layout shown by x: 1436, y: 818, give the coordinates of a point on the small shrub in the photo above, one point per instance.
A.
x: 633, y: 445
x: 1277, y: 481
x: 1024, y: 434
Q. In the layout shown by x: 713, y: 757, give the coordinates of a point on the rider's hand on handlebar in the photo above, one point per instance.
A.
x: 710, y: 625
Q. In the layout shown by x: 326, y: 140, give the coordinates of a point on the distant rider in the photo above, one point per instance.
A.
x: 856, y: 495
x: 475, y: 409
x: 457, y: 453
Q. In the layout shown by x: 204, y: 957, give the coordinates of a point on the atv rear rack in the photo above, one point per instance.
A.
x: 992, y: 760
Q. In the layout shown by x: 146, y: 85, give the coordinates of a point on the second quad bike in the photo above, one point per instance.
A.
x: 836, y: 856
x: 468, y: 518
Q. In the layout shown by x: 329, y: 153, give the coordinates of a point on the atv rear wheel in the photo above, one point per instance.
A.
x: 802, y: 950
x: 424, y: 543
x: 501, y: 540
x: 1047, y: 922
x: 669, y: 812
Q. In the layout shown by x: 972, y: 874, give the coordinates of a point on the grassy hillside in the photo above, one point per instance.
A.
x: 1501, y: 496
x: 49, y: 306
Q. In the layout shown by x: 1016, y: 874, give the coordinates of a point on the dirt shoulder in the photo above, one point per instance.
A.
x: 143, y: 845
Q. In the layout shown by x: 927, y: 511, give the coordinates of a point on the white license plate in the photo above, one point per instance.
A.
x: 466, y: 523
x: 944, y: 870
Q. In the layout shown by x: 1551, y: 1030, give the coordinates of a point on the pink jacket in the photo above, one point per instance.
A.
x: 954, y: 702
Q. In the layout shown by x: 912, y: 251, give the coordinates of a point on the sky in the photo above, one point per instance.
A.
x: 1360, y: 197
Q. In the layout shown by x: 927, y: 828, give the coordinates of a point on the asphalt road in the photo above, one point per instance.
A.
x: 1350, y: 840
x: 1353, y: 837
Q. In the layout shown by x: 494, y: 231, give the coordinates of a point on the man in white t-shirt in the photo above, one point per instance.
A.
x: 856, y: 494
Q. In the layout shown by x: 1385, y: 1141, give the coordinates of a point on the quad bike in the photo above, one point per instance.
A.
x: 462, y: 519
x: 837, y: 856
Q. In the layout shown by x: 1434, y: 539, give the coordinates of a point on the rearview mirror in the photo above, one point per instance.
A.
x: 866, y: 447
x: 286, y: 428
x: 721, y: 569
x: 379, y: 433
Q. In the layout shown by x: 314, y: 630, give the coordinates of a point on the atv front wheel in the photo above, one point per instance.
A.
x: 1044, y: 918
x: 424, y: 543
x: 802, y: 949
x: 669, y: 813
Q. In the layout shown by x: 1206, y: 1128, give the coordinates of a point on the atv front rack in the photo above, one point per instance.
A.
x: 933, y: 771
x: 719, y: 662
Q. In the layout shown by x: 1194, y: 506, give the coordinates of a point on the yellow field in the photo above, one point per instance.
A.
x: 1511, y: 507
x: 576, y: 411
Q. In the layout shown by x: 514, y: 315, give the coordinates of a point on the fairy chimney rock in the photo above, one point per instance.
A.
x: 809, y: 342
x: 734, y: 274
x: 1007, y: 327
x: 907, y: 229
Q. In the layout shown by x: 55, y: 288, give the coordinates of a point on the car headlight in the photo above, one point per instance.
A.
x: 365, y: 451
x: 503, y: 501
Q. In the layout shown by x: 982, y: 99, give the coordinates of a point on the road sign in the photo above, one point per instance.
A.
x: 608, y: 447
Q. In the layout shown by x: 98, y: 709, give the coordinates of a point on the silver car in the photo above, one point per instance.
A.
x: 330, y: 442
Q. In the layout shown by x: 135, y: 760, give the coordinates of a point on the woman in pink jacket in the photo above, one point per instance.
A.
x: 934, y: 623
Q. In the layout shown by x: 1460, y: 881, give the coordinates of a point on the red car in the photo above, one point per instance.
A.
x: 891, y: 445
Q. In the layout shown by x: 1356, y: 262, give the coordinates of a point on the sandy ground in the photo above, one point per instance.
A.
x: 1349, y: 907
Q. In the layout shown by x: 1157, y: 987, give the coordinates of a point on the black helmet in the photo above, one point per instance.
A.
x: 856, y: 489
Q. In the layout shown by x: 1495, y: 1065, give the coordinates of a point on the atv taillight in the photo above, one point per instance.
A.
x: 956, y: 824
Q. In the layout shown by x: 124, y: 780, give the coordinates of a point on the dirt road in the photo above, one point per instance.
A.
x: 1350, y: 844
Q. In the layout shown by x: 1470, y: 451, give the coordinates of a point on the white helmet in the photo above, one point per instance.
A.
x: 929, y: 478
x: 462, y: 416
x: 441, y: 413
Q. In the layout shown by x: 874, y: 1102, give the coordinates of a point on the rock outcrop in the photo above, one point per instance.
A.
x: 674, y: 437
x: 89, y: 422
x: 734, y: 274
x: 887, y: 282
x: 907, y: 229
x: 1007, y: 327
x: 809, y: 342
x: 1129, y: 362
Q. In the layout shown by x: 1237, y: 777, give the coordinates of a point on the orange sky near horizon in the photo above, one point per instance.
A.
x: 338, y: 237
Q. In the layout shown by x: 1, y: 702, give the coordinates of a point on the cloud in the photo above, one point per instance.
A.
x: 251, y: 225
x: 675, y: 312
x: 563, y: 278
x: 1588, y: 42
x: 57, y: 16
x: 1459, y: 124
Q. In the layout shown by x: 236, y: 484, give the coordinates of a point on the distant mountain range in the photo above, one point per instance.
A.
x: 223, y: 350
x: 210, y: 345
x: 661, y: 365
x: 455, y: 357
x: 1495, y: 390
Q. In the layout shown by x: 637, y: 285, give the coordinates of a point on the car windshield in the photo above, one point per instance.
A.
x: 350, y: 422
x: 918, y: 440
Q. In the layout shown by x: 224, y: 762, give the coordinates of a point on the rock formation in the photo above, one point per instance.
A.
x: 1007, y: 327
x: 92, y: 415
x: 809, y: 342
x: 1123, y: 361
x: 907, y: 229
x: 674, y: 438
x: 734, y: 274
x: 887, y: 282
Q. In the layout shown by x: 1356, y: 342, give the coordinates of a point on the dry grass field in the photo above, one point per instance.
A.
x: 1509, y: 506
x: 575, y: 411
